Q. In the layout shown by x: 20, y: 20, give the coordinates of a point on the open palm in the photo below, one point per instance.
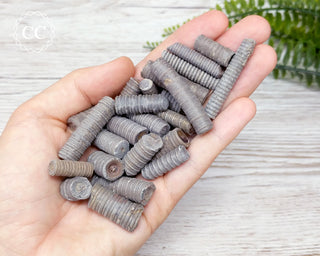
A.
x: 36, y: 220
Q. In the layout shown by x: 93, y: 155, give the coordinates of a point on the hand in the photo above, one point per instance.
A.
x: 36, y: 220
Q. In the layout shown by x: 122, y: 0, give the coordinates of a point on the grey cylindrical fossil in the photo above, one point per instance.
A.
x: 140, y: 104
x: 106, y: 166
x: 116, y: 208
x: 201, y: 92
x: 126, y: 128
x: 197, y: 59
x: 173, y: 104
x: 182, y: 93
x: 84, y: 135
x: 165, y: 163
x: 74, y: 189
x: 177, y: 120
x: 172, y: 140
x: 111, y: 143
x: 102, y: 181
x: 139, y: 191
x: 190, y: 71
x: 154, y: 123
x: 68, y: 168
x: 147, y: 87
x: 229, y: 77
x: 131, y: 88
x: 213, y: 50
x: 75, y: 120
x: 141, y: 153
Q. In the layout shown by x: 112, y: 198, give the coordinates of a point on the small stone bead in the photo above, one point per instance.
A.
x: 131, y: 88
x: 172, y: 140
x: 127, y: 129
x: 84, y: 135
x: 189, y: 71
x: 152, y: 122
x: 177, y: 120
x: 74, y: 189
x: 197, y: 59
x: 147, y: 87
x: 141, y: 153
x: 213, y: 50
x: 140, y: 104
x: 75, y: 120
x: 111, y: 143
x: 116, y: 208
x: 68, y: 168
x: 229, y: 77
x: 165, y: 163
x: 139, y: 191
x: 106, y: 166
x: 173, y: 104
x: 182, y: 93
x: 201, y: 92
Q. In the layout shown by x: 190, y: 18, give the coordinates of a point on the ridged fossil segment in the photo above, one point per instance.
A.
x: 190, y: 71
x: 173, y: 104
x: 172, y: 140
x: 197, y: 59
x: 177, y: 120
x: 182, y: 93
x: 106, y: 166
x: 154, y: 123
x: 140, y: 104
x: 116, y: 208
x: 75, y: 120
x: 147, y: 87
x: 68, y: 168
x: 141, y: 153
x: 165, y: 163
x: 229, y: 77
x: 111, y: 143
x: 85, y: 134
x: 213, y: 50
x: 74, y: 189
x: 126, y: 128
x: 131, y: 88
x: 201, y: 92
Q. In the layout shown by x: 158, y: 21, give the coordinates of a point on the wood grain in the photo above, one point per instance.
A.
x: 262, y: 194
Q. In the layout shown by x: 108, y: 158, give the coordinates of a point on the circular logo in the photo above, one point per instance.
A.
x: 33, y: 32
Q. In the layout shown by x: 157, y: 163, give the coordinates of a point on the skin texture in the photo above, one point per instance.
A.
x: 36, y: 220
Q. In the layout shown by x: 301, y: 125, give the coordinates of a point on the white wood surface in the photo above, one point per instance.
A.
x: 262, y: 194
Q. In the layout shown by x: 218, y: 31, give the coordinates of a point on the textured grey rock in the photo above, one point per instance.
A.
x: 75, y: 189
x: 147, y: 87
x: 154, y: 123
x: 68, y: 168
x: 131, y: 88
x: 75, y: 120
x: 177, y: 120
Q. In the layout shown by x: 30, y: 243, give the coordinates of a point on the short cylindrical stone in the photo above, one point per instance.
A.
x: 182, y: 93
x: 165, y: 163
x: 172, y: 140
x: 190, y: 71
x: 140, y: 104
x: 111, y: 143
x: 68, y: 168
x: 131, y: 88
x: 173, y: 104
x: 84, y: 135
x: 201, y: 92
x: 213, y: 50
x: 75, y: 120
x: 116, y: 208
x: 229, y: 77
x: 74, y: 189
x: 197, y: 59
x: 102, y: 181
x: 127, y: 129
x: 154, y: 123
x: 147, y: 87
x: 139, y: 191
x: 177, y: 120
x: 141, y: 153
x: 106, y: 166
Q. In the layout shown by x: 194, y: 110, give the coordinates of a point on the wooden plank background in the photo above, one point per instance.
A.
x: 262, y: 194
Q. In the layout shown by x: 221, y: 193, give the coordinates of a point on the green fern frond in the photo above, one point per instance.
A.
x: 151, y: 45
